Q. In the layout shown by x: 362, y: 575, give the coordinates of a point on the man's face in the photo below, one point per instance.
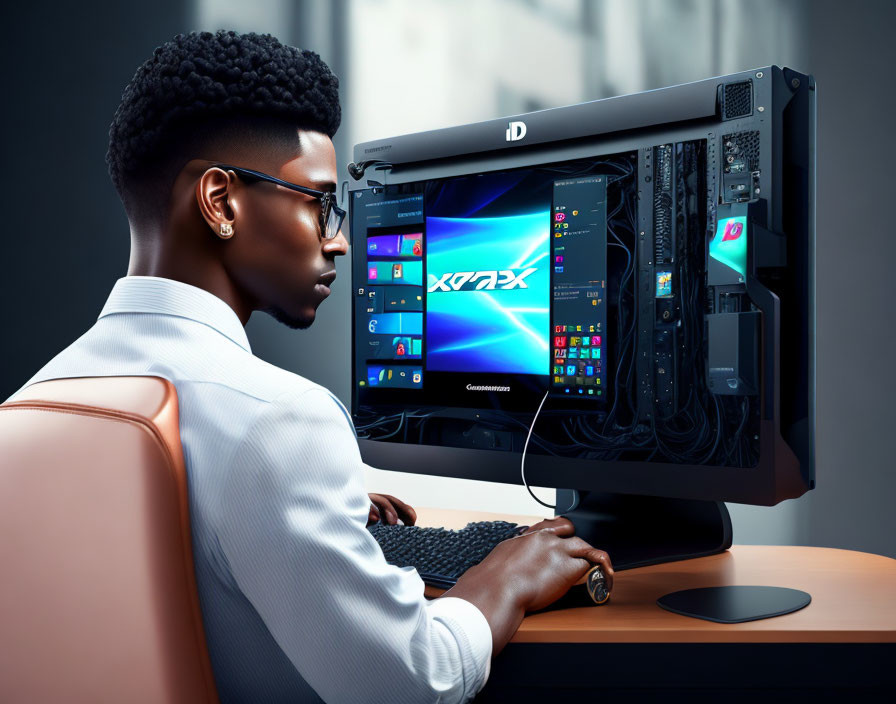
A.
x: 278, y: 256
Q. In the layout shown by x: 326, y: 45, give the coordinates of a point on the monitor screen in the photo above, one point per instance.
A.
x: 485, y: 290
x: 481, y: 294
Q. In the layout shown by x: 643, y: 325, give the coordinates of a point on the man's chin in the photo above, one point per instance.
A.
x: 296, y: 323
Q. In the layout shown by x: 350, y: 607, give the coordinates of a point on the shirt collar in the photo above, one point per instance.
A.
x: 152, y: 294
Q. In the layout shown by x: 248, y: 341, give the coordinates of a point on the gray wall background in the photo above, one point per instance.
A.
x: 65, y: 239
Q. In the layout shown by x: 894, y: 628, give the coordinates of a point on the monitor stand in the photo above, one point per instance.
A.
x: 647, y: 530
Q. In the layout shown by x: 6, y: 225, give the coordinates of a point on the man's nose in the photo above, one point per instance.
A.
x: 337, y: 247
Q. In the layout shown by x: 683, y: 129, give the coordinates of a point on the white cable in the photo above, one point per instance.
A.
x: 523, y: 458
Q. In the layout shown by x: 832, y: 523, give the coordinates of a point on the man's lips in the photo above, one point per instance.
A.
x: 325, y: 281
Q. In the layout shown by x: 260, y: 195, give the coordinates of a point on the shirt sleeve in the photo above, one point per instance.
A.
x: 356, y: 628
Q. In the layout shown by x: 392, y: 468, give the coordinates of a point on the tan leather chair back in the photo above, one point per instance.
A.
x: 98, y: 599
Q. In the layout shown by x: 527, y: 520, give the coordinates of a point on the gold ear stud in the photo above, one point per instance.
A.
x: 226, y: 230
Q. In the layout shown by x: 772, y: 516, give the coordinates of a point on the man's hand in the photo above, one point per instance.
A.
x: 390, y: 509
x: 563, y: 526
x: 527, y: 573
x: 558, y: 523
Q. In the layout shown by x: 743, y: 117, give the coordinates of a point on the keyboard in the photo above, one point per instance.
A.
x: 441, y: 555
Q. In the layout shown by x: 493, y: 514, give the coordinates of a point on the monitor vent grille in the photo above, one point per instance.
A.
x: 738, y: 99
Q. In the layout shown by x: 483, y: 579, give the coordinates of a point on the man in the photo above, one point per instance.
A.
x: 221, y: 152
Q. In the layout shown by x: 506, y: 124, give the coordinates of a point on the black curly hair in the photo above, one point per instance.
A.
x: 200, y: 90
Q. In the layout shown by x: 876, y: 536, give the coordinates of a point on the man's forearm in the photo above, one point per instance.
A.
x: 495, y: 599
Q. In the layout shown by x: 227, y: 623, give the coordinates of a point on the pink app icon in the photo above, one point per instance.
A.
x: 371, y: 272
x: 560, y: 217
x: 733, y: 230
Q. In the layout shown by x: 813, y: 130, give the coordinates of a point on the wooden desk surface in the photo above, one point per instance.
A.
x: 853, y: 596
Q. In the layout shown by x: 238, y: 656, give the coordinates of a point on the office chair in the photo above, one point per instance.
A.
x: 98, y: 598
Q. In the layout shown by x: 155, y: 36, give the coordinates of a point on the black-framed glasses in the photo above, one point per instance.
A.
x: 332, y: 215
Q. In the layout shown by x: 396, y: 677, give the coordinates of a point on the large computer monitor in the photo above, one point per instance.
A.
x: 637, y: 271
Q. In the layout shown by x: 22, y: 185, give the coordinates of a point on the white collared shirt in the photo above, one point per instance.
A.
x: 297, y: 599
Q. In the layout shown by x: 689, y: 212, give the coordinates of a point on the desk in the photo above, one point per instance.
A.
x: 843, y: 642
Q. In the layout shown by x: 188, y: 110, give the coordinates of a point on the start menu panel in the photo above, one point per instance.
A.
x: 578, y: 287
x: 389, y: 307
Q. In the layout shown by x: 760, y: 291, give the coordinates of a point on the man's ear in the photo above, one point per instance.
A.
x: 213, y: 197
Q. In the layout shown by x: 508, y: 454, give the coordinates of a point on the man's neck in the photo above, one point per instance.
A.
x: 180, y: 268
